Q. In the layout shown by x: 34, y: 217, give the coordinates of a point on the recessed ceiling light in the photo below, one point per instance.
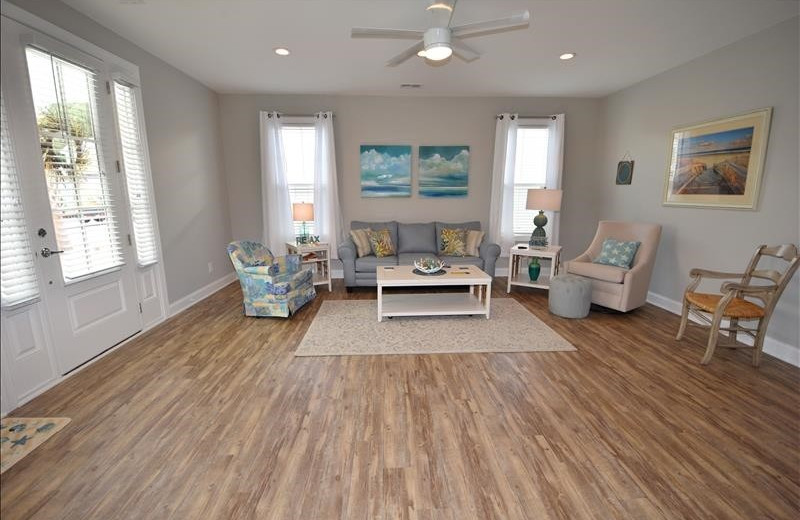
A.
x: 567, y: 56
x: 282, y: 51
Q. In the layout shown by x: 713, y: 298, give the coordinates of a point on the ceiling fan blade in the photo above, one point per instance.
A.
x: 371, y: 32
x: 518, y: 21
x: 463, y: 50
x: 403, y: 56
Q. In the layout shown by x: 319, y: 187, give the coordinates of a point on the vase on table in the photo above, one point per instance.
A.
x: 534, y: 268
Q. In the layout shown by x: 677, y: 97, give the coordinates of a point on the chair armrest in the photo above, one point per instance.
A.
x: 747, y: 289
x: 288, y: 263
x: 713, y: 274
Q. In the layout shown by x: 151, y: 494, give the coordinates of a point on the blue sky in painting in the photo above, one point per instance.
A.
x: 736, y: 139
x: 443, y: 166
x: 385, y: 165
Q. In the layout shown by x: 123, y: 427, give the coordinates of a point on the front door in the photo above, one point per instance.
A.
x: 81, y: 242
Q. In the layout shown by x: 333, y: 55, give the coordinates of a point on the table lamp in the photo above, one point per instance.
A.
x: 303, y: 212
x: 543, y: 200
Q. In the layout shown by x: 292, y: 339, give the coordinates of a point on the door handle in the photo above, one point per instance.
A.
x: 46, y: 252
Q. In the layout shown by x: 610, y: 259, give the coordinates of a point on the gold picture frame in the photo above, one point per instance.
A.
x: 718, y: 164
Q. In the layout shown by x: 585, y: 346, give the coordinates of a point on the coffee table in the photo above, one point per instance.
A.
x: 476, y: 301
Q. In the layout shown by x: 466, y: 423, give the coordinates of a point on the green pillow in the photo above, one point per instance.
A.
x: 617, y: 253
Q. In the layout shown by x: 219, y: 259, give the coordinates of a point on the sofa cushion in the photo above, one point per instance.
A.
x: 413, y: 238
x: 370, y: 262
x: 607, y: 273
x: 463, y: 225
x: 391, y: 226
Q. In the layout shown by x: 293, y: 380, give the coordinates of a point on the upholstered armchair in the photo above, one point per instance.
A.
x: 616, y: 287
x: 271, y: 285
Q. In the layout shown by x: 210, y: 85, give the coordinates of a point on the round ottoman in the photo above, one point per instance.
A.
x: 570, y: 296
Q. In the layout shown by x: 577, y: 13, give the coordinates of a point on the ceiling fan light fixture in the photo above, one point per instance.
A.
x: 421, y: 53
x: 438, y: 52
x: 437, y: 44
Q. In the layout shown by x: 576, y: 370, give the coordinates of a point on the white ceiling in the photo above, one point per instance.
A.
x: 227, y: 44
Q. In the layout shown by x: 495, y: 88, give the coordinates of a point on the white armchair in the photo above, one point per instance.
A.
x: 616, y: 287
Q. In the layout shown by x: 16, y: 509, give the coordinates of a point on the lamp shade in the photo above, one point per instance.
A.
x: 302, y: 211
x: 544, y: 199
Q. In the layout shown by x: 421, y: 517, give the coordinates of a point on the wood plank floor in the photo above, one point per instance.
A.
x: 210, y: 416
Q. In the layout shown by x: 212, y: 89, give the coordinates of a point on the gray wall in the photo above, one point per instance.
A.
x: 412, y: 120
x: 759, y: 71
x: 182, y: 118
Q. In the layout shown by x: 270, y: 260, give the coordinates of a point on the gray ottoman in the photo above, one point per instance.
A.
x: 570, y: 296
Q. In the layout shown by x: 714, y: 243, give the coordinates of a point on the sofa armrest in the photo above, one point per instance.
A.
x: 347, y: 254
x: 489, y: 253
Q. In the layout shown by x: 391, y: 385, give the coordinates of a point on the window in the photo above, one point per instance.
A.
x: 65, y: 99
x: 17, y: 273
x: 530, y: 171
x: 299, y: 148
x: 133, y: 164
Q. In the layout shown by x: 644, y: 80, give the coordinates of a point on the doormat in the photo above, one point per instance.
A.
x: 21, y: 435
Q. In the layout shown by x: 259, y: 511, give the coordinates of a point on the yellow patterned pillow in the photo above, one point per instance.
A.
x: 361, y: 240
x: 454, y: 242
x: 381, y: 242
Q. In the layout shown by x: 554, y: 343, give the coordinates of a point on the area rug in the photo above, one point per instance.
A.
x: 21, y: 435
x: 351, y: 328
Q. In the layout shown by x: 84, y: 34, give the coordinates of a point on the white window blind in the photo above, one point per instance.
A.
x: 133, y: 162
x: 299, y: 148
x: 65, y: 99
x: 530, y: 171
x: 17, y: 272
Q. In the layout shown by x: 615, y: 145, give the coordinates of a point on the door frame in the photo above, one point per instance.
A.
x: 117, y: 68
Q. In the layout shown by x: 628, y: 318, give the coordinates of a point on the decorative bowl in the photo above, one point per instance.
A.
x: 428, y: 265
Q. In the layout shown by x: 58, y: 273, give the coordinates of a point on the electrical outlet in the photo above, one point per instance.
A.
x: 210, y: 267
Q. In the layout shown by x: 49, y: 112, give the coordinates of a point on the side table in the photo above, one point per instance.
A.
x: 317, y: 257
x: 520, y: 252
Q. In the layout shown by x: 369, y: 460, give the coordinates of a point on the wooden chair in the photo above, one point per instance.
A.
x: 731, y: 303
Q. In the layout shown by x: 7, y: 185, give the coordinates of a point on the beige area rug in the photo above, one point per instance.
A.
x: 351, y: 328
x: 21, y: 435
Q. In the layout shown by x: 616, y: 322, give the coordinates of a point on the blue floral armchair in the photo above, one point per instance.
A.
x: 272, y: 285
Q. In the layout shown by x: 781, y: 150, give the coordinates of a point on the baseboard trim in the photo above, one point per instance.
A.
x: 200, y: 294
x: 773, y: 347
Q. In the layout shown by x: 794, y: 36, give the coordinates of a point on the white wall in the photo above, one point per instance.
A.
x: 412, y: 120
x: 182, y: 118
x: 759, y: 71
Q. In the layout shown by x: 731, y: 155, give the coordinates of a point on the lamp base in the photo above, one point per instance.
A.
x: 539, y: 236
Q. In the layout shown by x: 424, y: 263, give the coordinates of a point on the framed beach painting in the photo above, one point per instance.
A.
x: 443, y: 171
x: 718, y: 164
x: 385, y: 170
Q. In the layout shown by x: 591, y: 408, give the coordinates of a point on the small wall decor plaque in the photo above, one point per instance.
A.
x: 624, y: 172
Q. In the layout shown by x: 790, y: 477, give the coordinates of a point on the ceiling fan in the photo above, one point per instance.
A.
x: 441, y: 40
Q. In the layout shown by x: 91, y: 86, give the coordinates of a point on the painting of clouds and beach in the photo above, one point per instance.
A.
x: 443, y: 171
x: 385, y: 170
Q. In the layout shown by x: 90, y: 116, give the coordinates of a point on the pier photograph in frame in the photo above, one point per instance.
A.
x: 718, y: 163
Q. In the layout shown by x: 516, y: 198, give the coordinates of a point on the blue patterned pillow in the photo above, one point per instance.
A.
x: 617, y: 253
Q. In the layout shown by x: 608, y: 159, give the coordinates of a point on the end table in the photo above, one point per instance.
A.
x: 521, y: 251
x: 317, y: 257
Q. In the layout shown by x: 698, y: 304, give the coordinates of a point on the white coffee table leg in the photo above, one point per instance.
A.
x: 380, y: 302
x: 488, y: 289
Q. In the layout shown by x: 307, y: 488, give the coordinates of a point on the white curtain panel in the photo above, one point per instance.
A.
x: 327, y: 213
x: 555, y: 169
x: 501, y: 209
x: 276, y: 208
